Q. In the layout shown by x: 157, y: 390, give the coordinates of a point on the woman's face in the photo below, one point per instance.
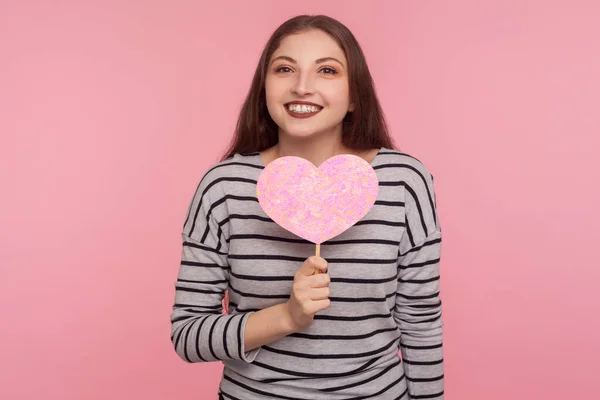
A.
x: 307, y: 85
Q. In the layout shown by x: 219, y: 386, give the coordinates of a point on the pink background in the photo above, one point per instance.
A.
x: 111, y: 111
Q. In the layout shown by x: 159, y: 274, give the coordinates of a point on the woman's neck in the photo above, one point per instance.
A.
x: 316, y: 149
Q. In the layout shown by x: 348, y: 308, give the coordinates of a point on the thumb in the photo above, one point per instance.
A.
x: 312, y: 263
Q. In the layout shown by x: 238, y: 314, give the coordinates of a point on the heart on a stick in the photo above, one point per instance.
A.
x: 317, y: 204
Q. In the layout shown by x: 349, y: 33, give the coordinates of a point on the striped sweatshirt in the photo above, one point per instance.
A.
x: 381, y: 337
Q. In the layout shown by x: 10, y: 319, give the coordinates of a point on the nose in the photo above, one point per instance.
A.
x: 304, y: 85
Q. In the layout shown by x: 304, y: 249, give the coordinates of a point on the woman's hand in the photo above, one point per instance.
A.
x: 310, y: 293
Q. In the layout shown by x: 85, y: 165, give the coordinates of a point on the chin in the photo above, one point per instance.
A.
x: 300, y: 133
x: 305, y: 131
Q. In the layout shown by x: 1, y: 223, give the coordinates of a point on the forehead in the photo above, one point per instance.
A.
x: 309, y: 45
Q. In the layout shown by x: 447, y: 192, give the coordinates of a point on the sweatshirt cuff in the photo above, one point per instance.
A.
x: 247, y: 356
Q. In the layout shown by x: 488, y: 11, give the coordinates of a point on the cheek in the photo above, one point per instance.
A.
x: 337, y: 95
x: 268, y: 90
x: 273, y: 98
x: 272, y: 91
x: 270, y: 96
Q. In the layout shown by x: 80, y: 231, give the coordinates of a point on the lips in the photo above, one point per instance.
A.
x: 300, y: 105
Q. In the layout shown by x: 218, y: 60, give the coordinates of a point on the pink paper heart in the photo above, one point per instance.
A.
x: 317, y: 203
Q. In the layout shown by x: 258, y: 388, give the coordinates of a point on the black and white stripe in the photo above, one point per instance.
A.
x: 385, y: 293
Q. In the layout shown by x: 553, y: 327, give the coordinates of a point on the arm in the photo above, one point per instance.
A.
x: 199, y: 292
x: 200, y: 332
x: 267, y: 326
x: 418, y: 306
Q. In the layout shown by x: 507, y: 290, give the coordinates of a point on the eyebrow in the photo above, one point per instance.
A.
x: 318, y: 61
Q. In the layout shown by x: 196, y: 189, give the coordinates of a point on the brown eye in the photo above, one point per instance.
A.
x: 283, y: 69
x: 329, y: 71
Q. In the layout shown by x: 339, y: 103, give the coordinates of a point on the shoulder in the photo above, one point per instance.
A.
x: 231, y: 177
x: 235, y: 170
x: 418, y: 192
x: 400, y: 166
x: 239, y: 165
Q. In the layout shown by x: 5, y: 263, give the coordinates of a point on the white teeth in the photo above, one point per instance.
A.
x: 303, y: 108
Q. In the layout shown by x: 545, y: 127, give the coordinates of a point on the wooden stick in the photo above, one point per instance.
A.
x: 318, y: 255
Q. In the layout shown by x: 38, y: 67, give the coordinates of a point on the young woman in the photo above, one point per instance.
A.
x: 289, y: 333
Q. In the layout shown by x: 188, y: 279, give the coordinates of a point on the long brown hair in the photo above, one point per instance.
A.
x: 364, y: 128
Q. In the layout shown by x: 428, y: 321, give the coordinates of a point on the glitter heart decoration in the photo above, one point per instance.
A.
x: 317, y: 204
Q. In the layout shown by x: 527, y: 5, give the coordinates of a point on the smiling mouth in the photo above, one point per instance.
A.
x: 302, y: 110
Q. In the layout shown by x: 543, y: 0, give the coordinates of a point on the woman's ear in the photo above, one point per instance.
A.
x: 351, y: 107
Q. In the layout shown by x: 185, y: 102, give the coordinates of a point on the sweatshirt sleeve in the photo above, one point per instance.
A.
x: 418, y: 307
x: 200, y: 331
